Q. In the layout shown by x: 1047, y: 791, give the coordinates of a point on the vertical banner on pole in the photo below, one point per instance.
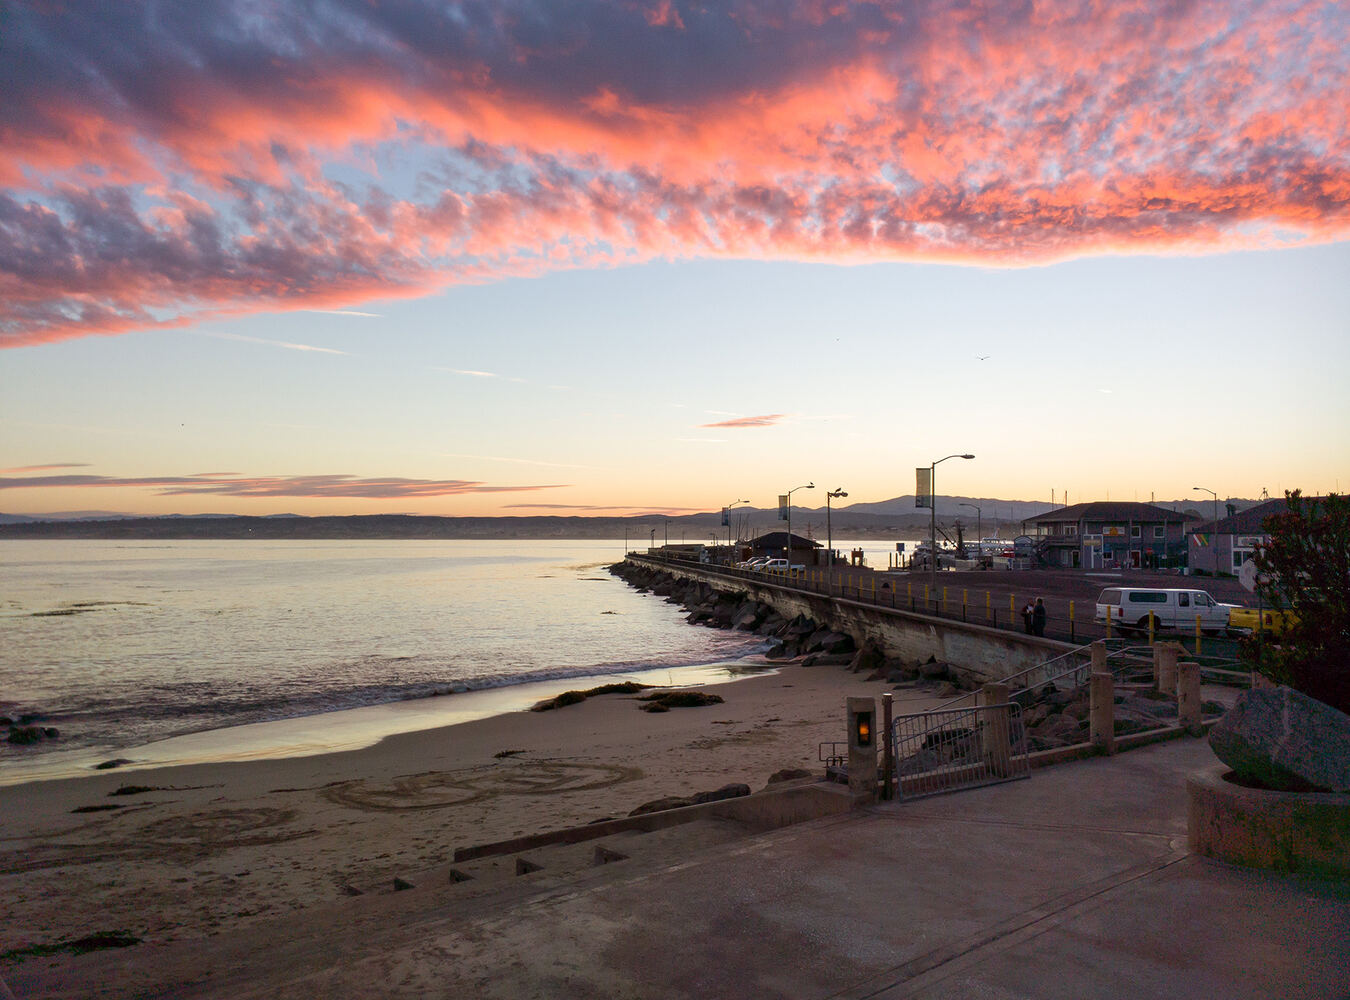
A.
x: 782, y: 506
x: 923, y: 486
x: 726, y: 518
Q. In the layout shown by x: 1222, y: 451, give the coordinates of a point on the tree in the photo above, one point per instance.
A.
x: 1305, y: 568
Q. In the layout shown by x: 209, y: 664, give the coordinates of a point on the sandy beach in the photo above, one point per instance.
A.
x: 206, y: 848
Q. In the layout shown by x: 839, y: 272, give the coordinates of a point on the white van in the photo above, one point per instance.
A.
x: 1129, y: 607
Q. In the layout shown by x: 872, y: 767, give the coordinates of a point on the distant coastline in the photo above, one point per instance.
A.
x: 395, y: 526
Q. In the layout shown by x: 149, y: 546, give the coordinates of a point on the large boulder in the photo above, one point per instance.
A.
x: 1281, y: 739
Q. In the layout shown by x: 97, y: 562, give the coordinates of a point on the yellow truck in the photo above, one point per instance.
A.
x: 1267, y: 620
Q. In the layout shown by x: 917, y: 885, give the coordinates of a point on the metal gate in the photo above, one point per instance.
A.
x: 951, y: 749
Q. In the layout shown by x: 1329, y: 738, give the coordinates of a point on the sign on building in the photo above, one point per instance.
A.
x: 1092, y: 541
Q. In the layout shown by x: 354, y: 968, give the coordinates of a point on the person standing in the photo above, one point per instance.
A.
x: 1038, y: 618
x: 1028, y: 612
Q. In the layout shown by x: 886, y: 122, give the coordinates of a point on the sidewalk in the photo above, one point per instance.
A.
x: 1073, y: 884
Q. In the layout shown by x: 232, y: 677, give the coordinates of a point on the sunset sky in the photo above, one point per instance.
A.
x: 651, y: 255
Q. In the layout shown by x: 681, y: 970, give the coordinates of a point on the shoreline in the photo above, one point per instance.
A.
x: 344, y: 730
x: 185, y: 851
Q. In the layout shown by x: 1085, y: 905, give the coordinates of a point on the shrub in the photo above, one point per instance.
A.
x: 1305, y: 567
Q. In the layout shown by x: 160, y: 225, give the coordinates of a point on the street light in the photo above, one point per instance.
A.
x: 932, y: 519
x: 1215, y: 529
x: 788, y: 547
x: 979, y: 527
x: 838, y: 491
x: 653, y: 541
x: 731, y: 556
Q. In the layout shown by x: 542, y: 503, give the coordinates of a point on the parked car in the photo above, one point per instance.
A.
x: 753, y: 563
x: 781, y: 566
x: 1270, y: 621
x: 1129, y: 607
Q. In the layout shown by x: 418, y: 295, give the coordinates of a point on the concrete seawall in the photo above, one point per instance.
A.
x: 980, y: 653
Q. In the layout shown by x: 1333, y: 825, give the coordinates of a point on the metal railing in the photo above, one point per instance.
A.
x: 952, y: 749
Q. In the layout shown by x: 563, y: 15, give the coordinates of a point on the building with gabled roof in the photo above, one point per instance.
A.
x: 1233, y: 539
x: 1111, y: 534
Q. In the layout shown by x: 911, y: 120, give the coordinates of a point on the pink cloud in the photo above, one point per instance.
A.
x: 767, y: 420
x: 229, y: 484
x: 188, y: 171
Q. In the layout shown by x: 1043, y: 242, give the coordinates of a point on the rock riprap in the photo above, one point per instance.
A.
x: 1281, y: 739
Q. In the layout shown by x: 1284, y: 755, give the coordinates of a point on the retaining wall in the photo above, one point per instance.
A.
x: 980, y: 653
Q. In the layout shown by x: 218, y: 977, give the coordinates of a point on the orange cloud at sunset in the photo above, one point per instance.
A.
x: 220, y: 160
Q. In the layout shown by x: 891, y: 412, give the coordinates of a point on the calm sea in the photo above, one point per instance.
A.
x: 120, y: 643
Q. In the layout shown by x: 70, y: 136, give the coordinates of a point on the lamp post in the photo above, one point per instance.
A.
x: 652, y: 543
x: 731, y: 556
x: 932, y: 519
x: 788, y: 547
x: 1215, y: 528
x: 838, y: 491
x: 979, y: 528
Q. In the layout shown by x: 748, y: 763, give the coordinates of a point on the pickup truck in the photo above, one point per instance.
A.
x: 781, y: 566
x: 1268, y: 620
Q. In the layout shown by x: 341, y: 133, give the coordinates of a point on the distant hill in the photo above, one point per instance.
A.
x: 897, y: 518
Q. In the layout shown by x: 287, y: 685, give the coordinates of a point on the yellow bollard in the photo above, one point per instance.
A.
x: 1012, y: 610
x: 1073, y: 632
x: 1151, y: 628
x: 1108, y: 623
x: 909, y: 591
x: 944, y: 599
x: 874, y: 590
x: 925, y: 597
x: 964, y: 592
x: 1198, y: 630
x: 988, y: 606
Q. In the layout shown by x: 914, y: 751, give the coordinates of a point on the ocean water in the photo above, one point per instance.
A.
x: 120, y: 643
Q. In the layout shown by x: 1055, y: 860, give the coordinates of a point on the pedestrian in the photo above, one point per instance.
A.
x: 1038, y: 618
x: 1027, y: 613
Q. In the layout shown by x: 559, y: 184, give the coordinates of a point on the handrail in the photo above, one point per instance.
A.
x: 1077, y: 651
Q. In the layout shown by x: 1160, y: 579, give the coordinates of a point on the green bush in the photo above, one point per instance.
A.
x: 1305, y: 568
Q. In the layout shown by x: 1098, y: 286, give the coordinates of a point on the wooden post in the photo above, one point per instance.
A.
x: 888, y: 747
x: 1102, y: 711
x: 996, y: 733
x: 1198, y: 631
x: 1151, y: 627
x: 1165, y: 656
x: 1099, y: 658
x: 1188, y: 698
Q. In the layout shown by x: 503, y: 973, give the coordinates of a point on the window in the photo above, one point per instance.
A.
x: 1240, y: 556
x: 1109, y: 597
x: 1071, y: 529
x: 1148, y: 597
x: 1184, y: 600
x: 1159, y: 531
x: 1135, y: 531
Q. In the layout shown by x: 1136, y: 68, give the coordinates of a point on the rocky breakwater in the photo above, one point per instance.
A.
x: 798, y: 637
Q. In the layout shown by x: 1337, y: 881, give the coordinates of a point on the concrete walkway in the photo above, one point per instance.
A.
x: 1073, y: 884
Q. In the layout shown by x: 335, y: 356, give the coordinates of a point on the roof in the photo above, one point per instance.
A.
x: 1249, y: 521
x: 1110, y: 510
x: 778, y: 539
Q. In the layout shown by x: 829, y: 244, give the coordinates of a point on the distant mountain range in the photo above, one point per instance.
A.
x: 895, y: 518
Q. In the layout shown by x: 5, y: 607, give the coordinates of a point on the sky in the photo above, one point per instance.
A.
x: 566, y: 257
